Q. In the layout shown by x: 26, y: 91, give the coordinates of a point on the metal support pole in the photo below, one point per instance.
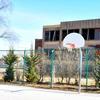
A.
x: 80, y: 70
x: 52, y: 68
x: 24, y: 64
x: 86, y: 67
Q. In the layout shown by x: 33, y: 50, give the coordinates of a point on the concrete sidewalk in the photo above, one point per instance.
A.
x: 9, y: 92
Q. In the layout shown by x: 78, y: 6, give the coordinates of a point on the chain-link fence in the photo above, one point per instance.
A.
x: 54, y: 68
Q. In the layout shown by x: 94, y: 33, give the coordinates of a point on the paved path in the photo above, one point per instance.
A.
x: 9, y: 92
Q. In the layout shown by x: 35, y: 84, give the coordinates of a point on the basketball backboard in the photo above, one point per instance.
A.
x: 73, y: 40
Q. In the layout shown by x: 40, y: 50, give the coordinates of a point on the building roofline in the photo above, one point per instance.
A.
x: 38, y: 39
x: 80, y: 20
x: 51, y: 26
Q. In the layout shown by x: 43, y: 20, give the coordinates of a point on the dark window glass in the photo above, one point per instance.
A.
x: 57, y: 35
x: 64, y: 33
x: 91, y: 34
x: 84, y: 33
x: 51, y: 35
x: 46, y: 36
x: 73, y: 30
x: 97, y: 34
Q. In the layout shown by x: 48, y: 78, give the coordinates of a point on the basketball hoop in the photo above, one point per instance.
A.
x: 75, y: 40
x: 70, y: 46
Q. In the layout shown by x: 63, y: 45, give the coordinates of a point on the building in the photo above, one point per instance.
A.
x: 54, y: 34
x: 38, y: 44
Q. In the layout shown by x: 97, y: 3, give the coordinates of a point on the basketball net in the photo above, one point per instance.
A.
x: 70, y: 46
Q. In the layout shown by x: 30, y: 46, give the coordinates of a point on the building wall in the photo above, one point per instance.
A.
x: 38, y: 43
x: 94, y: 23
x: 90, y: 29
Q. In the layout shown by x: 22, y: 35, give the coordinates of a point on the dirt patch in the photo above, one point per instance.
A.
x: 65, y: 87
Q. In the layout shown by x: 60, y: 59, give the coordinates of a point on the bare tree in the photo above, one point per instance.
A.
x: 67, y: 64
x: 4, y: 4
x: 7, y: 33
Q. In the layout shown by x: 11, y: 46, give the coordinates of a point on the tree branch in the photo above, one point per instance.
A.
x: 4, y: 4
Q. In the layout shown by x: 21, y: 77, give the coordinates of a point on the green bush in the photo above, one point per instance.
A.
x: 9, y: 60
x: 9, y: 76
x: 31, y: 73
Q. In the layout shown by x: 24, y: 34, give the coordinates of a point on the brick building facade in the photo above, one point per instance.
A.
x: 53, y: 35
x: 38, y: 44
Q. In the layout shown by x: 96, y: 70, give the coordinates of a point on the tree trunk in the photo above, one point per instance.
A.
x: 69, y: 80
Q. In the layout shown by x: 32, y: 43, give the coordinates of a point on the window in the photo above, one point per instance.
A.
x: 57, y: 35
x: 97, y: 34
x: 73, y: 30
x: 64, y: 33
x: 91, y: 34
x: 54, y: 35
x: 46, y: 36
x: 51, y: 35
x: 84, y: 33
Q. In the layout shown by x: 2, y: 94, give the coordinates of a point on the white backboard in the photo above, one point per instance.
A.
x: 75, y: 40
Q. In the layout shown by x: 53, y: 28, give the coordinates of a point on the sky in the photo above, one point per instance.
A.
x: 27, y: 17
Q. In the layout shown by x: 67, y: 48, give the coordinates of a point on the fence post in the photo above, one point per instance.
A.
x: 24, y: 65
x: 86, y: 67
x: 80, y: 70
x: 52, y: 68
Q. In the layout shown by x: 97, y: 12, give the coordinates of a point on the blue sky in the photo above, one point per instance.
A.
x: 27, y: 17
